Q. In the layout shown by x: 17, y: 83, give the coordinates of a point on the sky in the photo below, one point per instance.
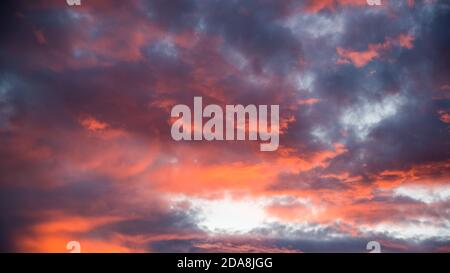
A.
x: 86, y: 152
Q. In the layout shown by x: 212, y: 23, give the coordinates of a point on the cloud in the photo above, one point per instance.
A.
x: 362, y: 58
x: 86, y: 154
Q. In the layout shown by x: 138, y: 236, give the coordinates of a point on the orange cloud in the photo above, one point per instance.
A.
x: 310, y: 101
x: 40, y: 37
x: 362, y: 58
x: 444, y: 116
x: 52, y: 235
x: 93, y: 124
x: 318, y: 5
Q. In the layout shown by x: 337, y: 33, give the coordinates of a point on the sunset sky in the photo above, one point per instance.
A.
x: 86, y: 152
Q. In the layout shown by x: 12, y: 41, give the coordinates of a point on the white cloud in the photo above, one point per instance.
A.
x: 363, y: 118
x: 165, y: 47
x: 417, y: 231
x: 227, y: 215
x: 238, y: 216
x: 315, y: 25
x: 304, y: 81
x: 426, y: 194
